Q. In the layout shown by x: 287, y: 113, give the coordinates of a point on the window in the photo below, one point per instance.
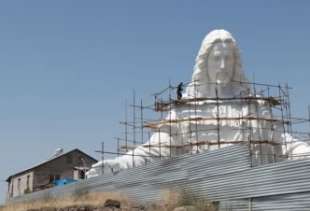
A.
x: 52, y: 178
x: 81, y: 174
x: 27, y: 190
x: 18, y: 186
x: 28, y: 181
x: 12, y: 190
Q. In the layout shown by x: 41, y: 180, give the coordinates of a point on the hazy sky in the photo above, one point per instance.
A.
x: 68, y: 66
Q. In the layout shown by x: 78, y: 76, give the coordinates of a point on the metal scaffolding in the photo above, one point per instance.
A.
x: 274, y: 98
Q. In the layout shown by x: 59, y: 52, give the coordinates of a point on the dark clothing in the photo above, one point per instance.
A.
x: 179, y: 91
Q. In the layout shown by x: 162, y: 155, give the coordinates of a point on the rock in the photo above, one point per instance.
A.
x: 110, y: 203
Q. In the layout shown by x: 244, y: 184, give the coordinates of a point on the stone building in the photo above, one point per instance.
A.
x: 62, y: 166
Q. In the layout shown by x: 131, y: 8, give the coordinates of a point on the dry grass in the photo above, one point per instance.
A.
x: 170, y: 200
x: 89, y: 199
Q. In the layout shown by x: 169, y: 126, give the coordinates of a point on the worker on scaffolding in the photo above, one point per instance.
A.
x: 179, y: 91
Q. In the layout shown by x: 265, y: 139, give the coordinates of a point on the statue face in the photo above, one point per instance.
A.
x: 221, y: 62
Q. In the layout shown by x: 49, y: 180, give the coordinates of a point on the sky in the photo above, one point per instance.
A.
x: 67, y: 68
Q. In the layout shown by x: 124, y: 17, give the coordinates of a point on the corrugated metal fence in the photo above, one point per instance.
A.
x: 223, y: 175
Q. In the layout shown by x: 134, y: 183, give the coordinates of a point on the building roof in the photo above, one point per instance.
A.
x: 50, y: 160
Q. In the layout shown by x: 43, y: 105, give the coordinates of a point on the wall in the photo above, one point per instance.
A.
x: 39, y: 177
x: 19, y: 184
x: 62, y: 167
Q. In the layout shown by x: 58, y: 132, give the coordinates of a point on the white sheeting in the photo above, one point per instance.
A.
x: 205, y: 84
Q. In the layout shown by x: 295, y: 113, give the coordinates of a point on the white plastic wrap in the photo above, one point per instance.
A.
x: 217, y: 73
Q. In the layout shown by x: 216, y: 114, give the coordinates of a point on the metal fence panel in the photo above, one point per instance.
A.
x: 223, y: 175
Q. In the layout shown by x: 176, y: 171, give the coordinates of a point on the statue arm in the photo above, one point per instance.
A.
x: 144, y: 153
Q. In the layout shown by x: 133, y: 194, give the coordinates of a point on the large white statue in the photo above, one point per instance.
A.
x: 213, y: 114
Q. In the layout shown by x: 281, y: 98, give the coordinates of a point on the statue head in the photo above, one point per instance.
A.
x: 218, y: 65
x: 221, y: 62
